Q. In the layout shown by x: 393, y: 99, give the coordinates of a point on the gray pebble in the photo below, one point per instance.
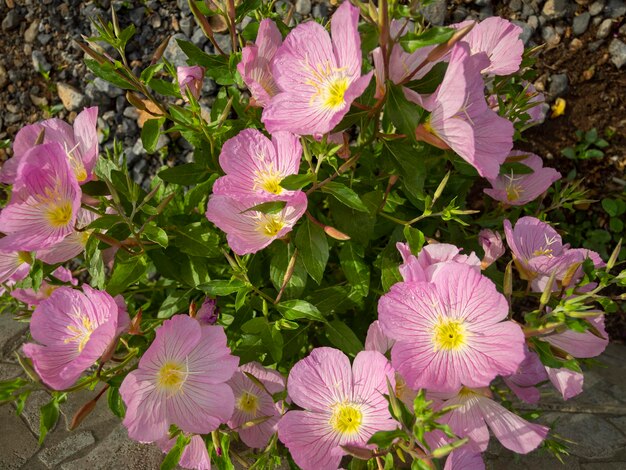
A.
x: 485, y: 12
x: 131, y: 112
x: 12, y: 118
x: 320, y: 11
x: 527, y: 31
x: 581, y: 23
x: 533, y: 22
x: 44, y: 39
x: 435, y: 12
x: 604, y: 29
x: 596, y: 7
x: 40, y: 63
x: 459, y: 14
x: 616, y: 8
x: 106, y: 88
x: 527, y: 10
x: 303, y: 7
x: 515, y: 5
x: 31, y: 32
x: 555, y: 9
x: 186, y: 25
x: 136, y: 15
x: 4, y: 77
x: 223, y: 40
x: 549, y: 35
x: 558, y: 85
x: 174, y: 53
x: 617, y: 49
x: 198, y: 38
x: 11, y: 21
x: 595, y: 45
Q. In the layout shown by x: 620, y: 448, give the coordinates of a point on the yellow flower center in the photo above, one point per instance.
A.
x: 59, y: 214
x: 81, y: 333
x: 270, y: 224
x: 172, y: 376
x: 76, y: 163
x: 248, y: 403
x: 514, y: 192
x: 330, y: 85
x: 269, y: 181
x: 449, y: 334
x: 336, y: 89
x: 346, y: 418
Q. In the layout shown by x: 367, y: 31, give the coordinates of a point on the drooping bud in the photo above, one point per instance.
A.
x: 190, y: 79
x: 492, y: 245
x: 207, y: 314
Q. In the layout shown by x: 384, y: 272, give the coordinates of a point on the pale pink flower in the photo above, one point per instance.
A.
x: 249, y: 231
x: 181, y: 380
x: 449, y: 332
x: 460, y: 118
x: 14, y: 265
x: 256, y: 415
x: 195, y: 456
x: 207, y: 314
x: 342, y: 405
x: 519, y: 189
x: 499, y: 39
x: 431, y: 257
x: 492, y: 245
x: 34, y: 298
x: 73, y: 330
x: 568, y: 382
x: 582, y: 345
x: 464, y: 458
x: 255, y: 166
x: 44, y: 201
x: 190, y: 79
x: 530, y: 372
x: 561, y: 265
x: 256, y: 60
x: 318, y: 79
x: 376, y: 340
x: 80, y: 144
x: 73, y: 244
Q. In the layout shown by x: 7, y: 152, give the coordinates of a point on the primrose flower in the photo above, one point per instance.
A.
x: 376, y: 340
x: 256, y: 415
x: 568, y: 382
x: 190, y: 79
x: 431, y: 257
x: 449, y: 332
x: 14, y: 265
x: 519, y: 189
x: 255, y: 166
x: 464, y: 459
x: 73, y: 244
x: 255, y: 63
x: 195, y: 455
x: 73, y: 330
x: 460, y: 118
x: 585, y: 344
x: 34, y: 298
x: 500, y: 40
x: 318, y: 79
x: 249, y: 231
x: 530, y: 372
x: 44, y: 201
x: 491, y: 243
x: 80, y: 144
x: 342, y: 405
x: 181, y: 380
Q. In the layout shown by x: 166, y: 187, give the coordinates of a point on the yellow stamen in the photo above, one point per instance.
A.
x: 59, y: 214
x: 248, y: 403
x: 172, y: 376
x: 330, y: 84
x: 80, y: 333
x: 346, y: 418
x: 270, y: 224
x: 449, y: 334
x: 269, y: 181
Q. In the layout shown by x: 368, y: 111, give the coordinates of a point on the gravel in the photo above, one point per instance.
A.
x: 581, y: 23
x: 559, y: 85
x: 604, y: 29
x: 617, y: 50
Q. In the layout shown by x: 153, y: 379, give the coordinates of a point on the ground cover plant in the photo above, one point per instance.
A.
x: 313, y: 288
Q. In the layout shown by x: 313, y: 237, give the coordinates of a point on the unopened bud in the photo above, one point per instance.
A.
x: 135, y: 324
x: 82, y: 413
x: 160, y: 50
x: 190, y: 79
x: 336, y: 234
x: 208, y: 312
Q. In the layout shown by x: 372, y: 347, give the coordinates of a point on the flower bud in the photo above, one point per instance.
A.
x: 491, y: 243
x: 207, y: 314
x: 190, y: 78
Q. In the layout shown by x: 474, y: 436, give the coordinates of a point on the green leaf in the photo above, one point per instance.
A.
x: 415, y: 238
x: 173, y: 456
x: 95, y: 188
x: 105, y: 221
x: 313, y: 249
x: 49, y: 415
x: 383, y: 439
x: 344, y: 195
x: 515, y: 168
x: 221, y: 287
x: 150, y: 134
x: 164, y: 87
x: 107, y: 71
x: 295, y: 182
x: 185, y: 175
x: 429, y: 82
x: 354, y: 267
x: 270, y: 336
x: 115, y: 402
x: 299, y: 309
x: 216, y: 66
x: 610, y: 206
x: 404, y: 114
x: 95, y: 263
x: 148, y: 72
x: 271, y: 207
x: 177, y: 301
x: 281, y: 254
x: 156, y: 234
x: 411, y: 42
x: 128, y: 270
x: 341, y: 336
x: 197, y: 239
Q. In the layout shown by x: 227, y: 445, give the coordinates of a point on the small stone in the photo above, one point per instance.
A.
x: 515, y: 5
x: 581, y: 23
x: 616, y: 8
x: 527, y: 31
x: 71, y: 445
x: 303, y: 7
x: 459, y: 14
x: 72, y: 99
x: 40, y: 101
x: 533, y: 22
x: 320, y: 11
x: 482, y: 3
x: 105, y: 87
x: 595, y: 45
x: 435, y: 12
x: 174, y: 53
x: 558, y: 85
x: 223, y: 40
x: 527, y: 10
x: 155, y: 21
x: 617, y: 50
x: 40, y: 63
x: 550, y: 36
x: 596, y: 7
x: 163, y: 141
x: 604, y: 29
x: 555, y: 9
x: 31, y: 32
x: 4, y: 77
x: 198, y: 37
x: 11, y: 20
x: 131, y: 112
x: 485, y: 12
x: 44, y: 39
x: 136, y: 15
x: 186, y: 26
x: 575, y: 44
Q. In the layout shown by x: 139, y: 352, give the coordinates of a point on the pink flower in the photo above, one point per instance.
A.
x: 252, y: 403
x: 449, y: 331
x: 255, y: 166
x: 74, y: 329
x: 376, y: 340
x: 195, y: 456
x: 181, y: 380
x: 44, y: 201
x: 568, y: 382
x: 544, y: 266
x: 582, y: 345
x: 255, y: 63
x: 499, y: 39
x: 14, y: 265
x: 73, y: 244
x: 318, y: 79
x: 460, y: 118
x: 342, y: 405
x: 492, y: 245
x: 432, y: 257
x: 79, y: 144
x: 517, y: 190
x: 190, y: 79
x: 249, y: 231
x: 530, y: 372
x: 464, y: 458
x: 208, y: 312
x: 476, y: 411
x: 34, y: 298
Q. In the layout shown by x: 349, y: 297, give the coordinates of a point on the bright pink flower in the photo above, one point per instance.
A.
x: 519, y: 189
x: 464, y: 458
x: 583, y: 345
x: 253, y: 403
x: 376, y: 340
x: 568, y: 382
x: 44, y: 201
x: 74, y: 329
x: 476, y: 411
x: 492, y: 245
x: 207, y: 314
x: 342, y: 405
x: 544, y: 266
x: 80, y: 144
x: 530, y: 372
x: 460, y: 118
x: 432, y: 257
x: 318, y: 79
x: 190, y: 79
x: 499, y: 39
x: 14, y: 265
x: 73, y: 244
x: 255, y: 166
x: 249, y: 231
x: 34, y: 298
x: 449, y: 332
x: 256, y: 60
x: 181, y: 380
x: 195, y: 455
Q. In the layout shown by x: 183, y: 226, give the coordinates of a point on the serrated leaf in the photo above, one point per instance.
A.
x: 313, y: 249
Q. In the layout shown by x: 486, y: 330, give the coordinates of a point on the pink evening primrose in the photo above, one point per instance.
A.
x: 256, y: 60
x: 492, y: 245
x: 190, y: 80
x: 195, y: 455
x: 181, y: 380
x: 14, y: 265
x: 342, y: 405
x: 449, y: 332
x: 568, y: 382
x: 79, y: 144
x: 460, y: 118
x: 208, y: 312
x: 500, y: 40
x: 431, y: 257
x: 581, y: 345
x: 530, y: 372
x: 255, y: 166
x: 249, y: 231
x: 318, y: 78
x: 73, y: 330
x: 256, y: 415
x: 44, y: 201
x: 73, y: 244
x: 464, y: 458
x: 34, y: 298
x: 519, y: 189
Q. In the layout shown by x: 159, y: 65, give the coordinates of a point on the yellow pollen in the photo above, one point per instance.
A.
x: 171, y: 376
x: 330, y: 84
x: 335, y: 93
x: 449, y: 335
x: 248, y: 403
x: 544, y: 252
x: 48, y: 290
x: 269, y: 181
x: 346, y: 418
x: 428, y: 127
x: 270, y: 224
x: 81, y: 333
x: 59, y: 214
x: 514, y: 192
